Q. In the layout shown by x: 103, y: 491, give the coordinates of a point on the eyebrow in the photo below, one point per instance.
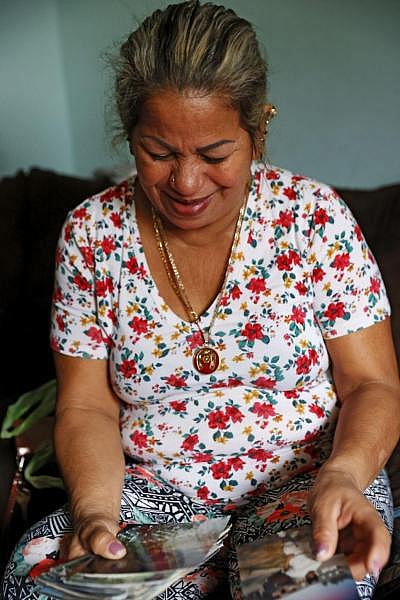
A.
x: 202, y: 149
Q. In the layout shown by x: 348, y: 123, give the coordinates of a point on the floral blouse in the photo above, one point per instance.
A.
x: 301, y: 273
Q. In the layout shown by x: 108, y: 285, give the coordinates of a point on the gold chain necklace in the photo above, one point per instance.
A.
x: 205, y: 358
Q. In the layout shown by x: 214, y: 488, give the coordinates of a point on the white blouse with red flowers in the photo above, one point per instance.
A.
x: 302, y: 273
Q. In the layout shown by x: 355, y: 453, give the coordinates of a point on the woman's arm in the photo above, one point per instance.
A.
x: 366, y: 379
x: 88, y: 448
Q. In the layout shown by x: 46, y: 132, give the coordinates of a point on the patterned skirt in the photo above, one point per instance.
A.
x: 146, y: 499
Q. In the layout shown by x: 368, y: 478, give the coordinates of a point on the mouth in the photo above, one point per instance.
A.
x: 189, y: 207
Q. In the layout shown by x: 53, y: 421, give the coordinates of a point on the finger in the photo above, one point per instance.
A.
x: 104, y: 543
x: 324, y: 518
x: 74, y: 549
x: 371, y: 547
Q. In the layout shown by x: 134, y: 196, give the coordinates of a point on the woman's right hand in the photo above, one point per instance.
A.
x: 96, y: 534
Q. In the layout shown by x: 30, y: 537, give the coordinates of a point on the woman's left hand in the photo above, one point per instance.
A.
x: 345, y: 521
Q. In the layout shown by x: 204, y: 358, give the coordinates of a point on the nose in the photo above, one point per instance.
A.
x: 187, y: 178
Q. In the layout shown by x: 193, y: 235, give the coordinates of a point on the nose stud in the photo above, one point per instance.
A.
x: 172, y: 179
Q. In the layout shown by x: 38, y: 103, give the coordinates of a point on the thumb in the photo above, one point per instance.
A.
x: 324, y: 531
x: 99, y: 537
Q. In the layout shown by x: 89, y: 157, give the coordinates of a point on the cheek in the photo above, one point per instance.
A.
x: 151, y: 173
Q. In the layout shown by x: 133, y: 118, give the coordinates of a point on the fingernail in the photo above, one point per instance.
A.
x: 321, y: 551
x: 376, y: 569
x: 115, y: 548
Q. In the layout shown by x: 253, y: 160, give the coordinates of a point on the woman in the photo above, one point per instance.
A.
x: 219, y: 325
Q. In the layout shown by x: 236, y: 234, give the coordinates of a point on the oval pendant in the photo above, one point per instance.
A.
x: 206, y: 360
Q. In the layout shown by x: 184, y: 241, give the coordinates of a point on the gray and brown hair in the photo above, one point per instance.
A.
x: 204, y: 48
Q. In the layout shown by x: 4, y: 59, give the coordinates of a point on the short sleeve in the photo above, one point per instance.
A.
x: 349, y: 293
x: 76, y: 329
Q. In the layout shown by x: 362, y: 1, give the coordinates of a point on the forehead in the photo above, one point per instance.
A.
x: 189, y: 114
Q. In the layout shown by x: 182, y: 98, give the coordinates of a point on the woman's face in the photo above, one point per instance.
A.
x: 193, y: 158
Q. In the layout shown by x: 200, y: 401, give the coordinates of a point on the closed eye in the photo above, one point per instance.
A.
x: 160, y: 156
x: 214, y: 161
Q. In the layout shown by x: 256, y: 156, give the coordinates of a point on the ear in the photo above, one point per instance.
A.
x: 268, y: 113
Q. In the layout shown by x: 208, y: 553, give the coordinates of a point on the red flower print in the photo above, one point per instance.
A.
x: 138, y: 325
x: 294, y: 257
x: 203, y: 492
x: 116, y: 219
x: 341, y: 261
x: 128, y: 368
x: 139, y: 439
x: 375, y: 285
x: 265, y: 382
x: 272, y: 175
x: 313, y: 356
x: 236, y: 463
x: 217, y: 419
x: 283, y: 512
x: 60, y: 323
x: 253, y: 331
x: 175, y: 381
x: 291, y: 394
x: 200, y: 457
x: 310, y: 436
x: 256, y: 285
x: 235, y: 292
x: 87, y: 255
x: 232, y: 382
x: 358, y: 232
x: 108, y: 195
x: 284, y: 263
x: 259, y: 454
x: 195, y: 340
x: 67, y: 233
x: 301, y: 288
x: 103, y: 286
x: 220, y: 470
x: 81, y: 282
x: 95, y: 334
x: 296, y: 178
x: 320, y: 217
x: 79, y: 213
x: 290, y: 193
x: 58, y: 257
x: 190, y: 442
x: 178, y: 405
x: 285, y: 218
x: 234, y: 414
x: 263, y: 409
x: 298, y: 315
x: 43, y: 566
x: 311, y: 450
x: 112, y: 316
x: 334, y: 311
x: 132, y: 265
x: 108, y: 245
x: 317, y: 410
x: 57, y: 295
x: 303, y: 364
x: 318, y: 274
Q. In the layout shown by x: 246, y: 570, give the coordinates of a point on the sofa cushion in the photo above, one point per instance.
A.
x: 36, y: 205
x: 378, y: 214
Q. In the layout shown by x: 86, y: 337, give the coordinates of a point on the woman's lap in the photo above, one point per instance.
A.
x: 147, y: 500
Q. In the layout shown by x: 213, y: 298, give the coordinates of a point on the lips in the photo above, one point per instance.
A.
x: 187, y: 208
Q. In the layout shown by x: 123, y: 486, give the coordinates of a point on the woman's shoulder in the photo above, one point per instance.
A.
x: 282, y: 186
x: 105, y: 210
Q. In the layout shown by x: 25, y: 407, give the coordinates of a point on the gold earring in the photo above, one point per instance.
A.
x: 270, y: 113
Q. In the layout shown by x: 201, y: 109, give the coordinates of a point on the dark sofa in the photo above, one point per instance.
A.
x: 33, y: 207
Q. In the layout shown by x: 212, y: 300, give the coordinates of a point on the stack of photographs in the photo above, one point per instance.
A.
x: 283, y: 566
x: 157, y: 556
